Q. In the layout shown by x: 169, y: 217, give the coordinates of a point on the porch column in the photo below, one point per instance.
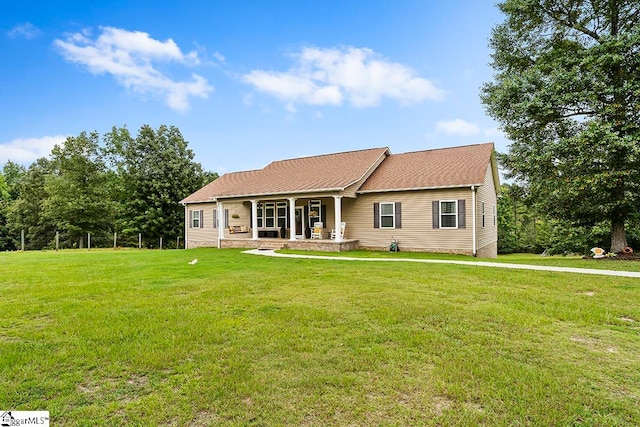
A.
x: 292, y: 219
x: 254, y: 219
x: 338, y: 217
x: 220, y: 223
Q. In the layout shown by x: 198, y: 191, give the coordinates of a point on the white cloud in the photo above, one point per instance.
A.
x: 27, y: 30
x: 458, y: 127
x: 221, y: 59
x: 335, y: 76
x: 131, y: 57
x: 27, y: 150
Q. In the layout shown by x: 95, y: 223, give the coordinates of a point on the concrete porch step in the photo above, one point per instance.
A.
x: 275, y: 244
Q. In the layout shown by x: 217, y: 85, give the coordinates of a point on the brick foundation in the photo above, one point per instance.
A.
x: 488, y: 251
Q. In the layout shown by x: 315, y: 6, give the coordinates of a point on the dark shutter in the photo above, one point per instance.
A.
x: 201, y: 223
x: 376, y: 215
x: 226, y: 218
x: 190, y: 219
x: 461, y: 214
x: 435, y: 213
x: 398, y: 210
x: 323, y: 215
x: 215, y: 218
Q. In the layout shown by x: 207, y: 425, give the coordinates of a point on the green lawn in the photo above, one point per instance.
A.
x: 574, y: 261
x: 143, y: 338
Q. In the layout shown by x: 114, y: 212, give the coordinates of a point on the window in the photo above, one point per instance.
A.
x: 315, y: 212
x: 387, y: 215
x: 448, y: 214
x: 281, y: 212
x: 260, y: 212
x: 270, y: 214
x: 195, y: 219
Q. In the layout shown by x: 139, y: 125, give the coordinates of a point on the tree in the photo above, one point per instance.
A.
x: 566, y: 92
x: 26, y: 212
x: 9, y: 190
x: 13, y: 172
x: 157, y: 171
x: 78, y: 201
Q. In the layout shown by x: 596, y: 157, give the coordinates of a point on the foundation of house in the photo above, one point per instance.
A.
x: 324, y: 245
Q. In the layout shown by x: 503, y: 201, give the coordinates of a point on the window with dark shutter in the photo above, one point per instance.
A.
x: 398, y: 214
x: 196, y: 219
x: 201, y: 218
x: 387, y: 215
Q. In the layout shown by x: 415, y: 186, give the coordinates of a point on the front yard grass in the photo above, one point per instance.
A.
x: 144, y: 338
x: 574, y: 261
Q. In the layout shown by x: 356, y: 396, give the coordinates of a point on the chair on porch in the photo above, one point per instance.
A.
x: 316, y: 232
x: 343, y: 225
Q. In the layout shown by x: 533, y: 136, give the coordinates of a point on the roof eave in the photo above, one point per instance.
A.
x: 279, y: 193
x: 437, y: 187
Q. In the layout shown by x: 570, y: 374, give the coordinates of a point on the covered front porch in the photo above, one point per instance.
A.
x: 290, y: 219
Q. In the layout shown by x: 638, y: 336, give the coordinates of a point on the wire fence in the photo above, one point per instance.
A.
x: 100, y: 240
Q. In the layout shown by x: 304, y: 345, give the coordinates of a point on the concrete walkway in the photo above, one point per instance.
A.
x: 472, y: 263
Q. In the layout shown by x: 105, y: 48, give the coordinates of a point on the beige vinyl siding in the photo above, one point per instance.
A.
x: 205, y: 235
x: 242, y: 209
x: 487, y: 194
x: 417, y: 232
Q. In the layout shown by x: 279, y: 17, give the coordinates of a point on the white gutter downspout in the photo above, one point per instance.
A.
x: 220, y: 222
x: 473, y: 217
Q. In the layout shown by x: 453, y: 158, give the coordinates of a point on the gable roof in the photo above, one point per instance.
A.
x: 439, y: 168
x: 329, y: 172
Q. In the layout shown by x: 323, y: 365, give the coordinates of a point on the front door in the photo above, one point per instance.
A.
x: 300, y: 222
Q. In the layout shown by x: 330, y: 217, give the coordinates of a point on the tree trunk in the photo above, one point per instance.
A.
x: 618, y: 236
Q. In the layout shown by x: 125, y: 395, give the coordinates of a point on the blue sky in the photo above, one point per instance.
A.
x: 248, y: 82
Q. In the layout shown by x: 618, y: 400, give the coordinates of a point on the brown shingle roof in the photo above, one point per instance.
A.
x: 446, y: 167
x: 330, y: 172
x: 225, y: 183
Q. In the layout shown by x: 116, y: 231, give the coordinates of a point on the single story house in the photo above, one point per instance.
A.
x: 441, y: 200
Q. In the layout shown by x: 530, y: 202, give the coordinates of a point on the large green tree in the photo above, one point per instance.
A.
x: 9, y: 191
x: 156, y: 170
x: 78, y: 201
x: 567, y: 93
x: 26, y: 212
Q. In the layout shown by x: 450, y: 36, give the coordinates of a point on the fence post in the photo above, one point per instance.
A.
x: 22, y: 240
x: 115, y: 239
x: 139, y: 240
x: 161, y: 243
x: 57, y: 240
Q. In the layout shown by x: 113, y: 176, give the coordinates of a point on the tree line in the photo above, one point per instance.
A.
x: 566, y: 92
x: 524, y: 225
x: 101, y: 184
